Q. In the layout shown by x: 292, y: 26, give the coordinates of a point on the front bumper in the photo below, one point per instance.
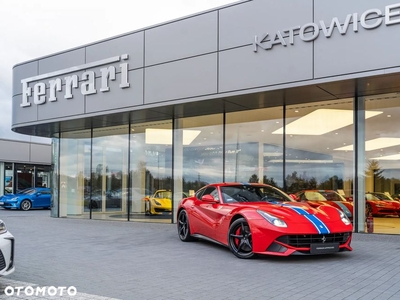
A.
x: 7, y: 247
x: 283, y: 242
x: 10, y: 205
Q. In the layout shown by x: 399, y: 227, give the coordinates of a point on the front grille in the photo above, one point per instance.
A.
x: 305, y: 240
x: 2, y: 261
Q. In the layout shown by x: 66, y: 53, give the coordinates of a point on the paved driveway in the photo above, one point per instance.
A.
x: 132, y: 260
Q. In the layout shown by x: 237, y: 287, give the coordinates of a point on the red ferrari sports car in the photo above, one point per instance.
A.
x: 252, y: 218
x: 326, y: 197
x: 380, y: 205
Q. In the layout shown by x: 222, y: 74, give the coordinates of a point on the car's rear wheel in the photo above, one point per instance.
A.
x: 183, y: 226
x: 240, y: 240
x: 26, y: 205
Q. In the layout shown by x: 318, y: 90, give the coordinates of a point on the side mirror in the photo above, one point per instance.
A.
x: 209, y: 198
x: 38, y: 194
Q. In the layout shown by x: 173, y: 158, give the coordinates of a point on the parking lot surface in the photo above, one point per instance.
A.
x: 133, y: 260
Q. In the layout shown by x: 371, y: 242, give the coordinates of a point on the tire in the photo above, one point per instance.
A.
x: 183, y: 227
x: 147, y: 208
x: 93, y: 205
x: 25, y: 205
x: 368, y: 210
x: 239, y: 239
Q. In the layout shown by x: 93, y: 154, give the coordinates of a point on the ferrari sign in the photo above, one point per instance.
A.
x: 370, y: 19
x: 41, y: 92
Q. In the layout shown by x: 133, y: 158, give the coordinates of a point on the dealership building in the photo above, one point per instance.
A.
x: 24, y: 164
x: 299, y: 94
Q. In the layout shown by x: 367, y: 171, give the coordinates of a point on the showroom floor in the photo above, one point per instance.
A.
x: 387, y: 225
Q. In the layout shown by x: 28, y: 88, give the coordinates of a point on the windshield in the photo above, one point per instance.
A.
x: 252, y: 193
x: 163, y: 195
x: 322, y: 196
x: 314, y: 196
x: 28, y: 192
x: 382, y: 196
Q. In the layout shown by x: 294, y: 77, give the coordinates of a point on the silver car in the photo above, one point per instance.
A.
x: 6, y: 251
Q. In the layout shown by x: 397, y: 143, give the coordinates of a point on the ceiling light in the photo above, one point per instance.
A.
x: 272, y: 154
x: 388, y: 157
x: 321, y: 121
x: 375, y: 144
x: 164, y: 136
x: 308, y: 161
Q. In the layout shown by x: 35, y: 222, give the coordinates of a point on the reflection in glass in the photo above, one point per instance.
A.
x: 55, y: 176
x: 150, y: 172
x: 253, y: 153
x: 8, y: 178
x: 74, y: 168
x: 198, y: 154
x: 109, y: 172
x: 382, y: 167
x: 315, y: 132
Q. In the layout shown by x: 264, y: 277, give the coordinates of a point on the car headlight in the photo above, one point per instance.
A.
x: 271, y: 219
x: 3, y: 227
x: 344, y: 218
x: 156, y: 202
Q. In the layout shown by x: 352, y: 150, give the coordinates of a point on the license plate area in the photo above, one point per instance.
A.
x: 324, y: 248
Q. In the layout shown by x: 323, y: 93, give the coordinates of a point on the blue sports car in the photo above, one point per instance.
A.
x: 27, y: 199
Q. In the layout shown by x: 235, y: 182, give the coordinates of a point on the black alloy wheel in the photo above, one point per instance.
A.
x: 240, y: 240
x: 368, y: 210
x: 26, y: 205
x: 147, y: 208
x: 93, y: 204
x: 183, y: 226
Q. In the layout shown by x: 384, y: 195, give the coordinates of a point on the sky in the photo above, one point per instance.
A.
x: 30, y: 29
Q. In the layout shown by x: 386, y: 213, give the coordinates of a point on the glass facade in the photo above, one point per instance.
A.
x: 344, y: 151
x: 198, y: 154
x: 150, y: 172
x: 381, y: 154
x: 19, y: 176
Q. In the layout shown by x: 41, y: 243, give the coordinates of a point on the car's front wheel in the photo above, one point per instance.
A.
x: 368, y: 210
x: 147, y: 208
x: 239, y: 239
x: 183, y: 226
x: 26, y: 205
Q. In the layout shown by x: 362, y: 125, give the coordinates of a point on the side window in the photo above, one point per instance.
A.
x: 214, y: 193
x: 199, y: 193
x: 211, y: 190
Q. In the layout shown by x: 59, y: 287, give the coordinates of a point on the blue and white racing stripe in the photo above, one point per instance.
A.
x: 321, y: 227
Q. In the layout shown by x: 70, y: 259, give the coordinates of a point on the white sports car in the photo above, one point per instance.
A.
x: 6, y: 251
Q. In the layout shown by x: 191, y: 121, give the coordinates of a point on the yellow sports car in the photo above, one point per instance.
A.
x: 160, y: 202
